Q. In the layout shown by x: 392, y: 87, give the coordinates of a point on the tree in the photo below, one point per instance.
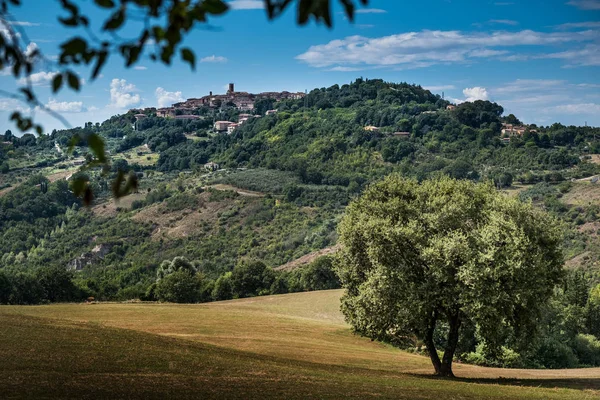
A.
x: 511, y: 119
x: 250, y: 278
x: 319, y: 275
x: 181, y: 286
x: 593, y: 312
x: 446, y: 252
x: 223, y: 288
x: 57, y: 284
x: 179, y: 263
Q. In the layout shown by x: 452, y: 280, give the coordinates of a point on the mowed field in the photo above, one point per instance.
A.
x: 291, y: 346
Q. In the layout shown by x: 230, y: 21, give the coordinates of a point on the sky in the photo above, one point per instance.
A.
x: 539, y: 59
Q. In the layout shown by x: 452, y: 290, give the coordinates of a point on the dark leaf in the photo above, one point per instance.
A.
x: 57, y: 83
x: 188, y: 56
x: 115, y: 21
x: 73, y: 80
x: 105, y: 3
x: 96, y: 144
x: 215, y: 7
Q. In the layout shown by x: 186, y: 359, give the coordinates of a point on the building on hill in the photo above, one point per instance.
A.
x: 370, y: 128
x: 241, y: 100
x: 271, y: 112
x: 222, y: 126
x: 166, y: 112
x: 187, y: 116
x: 211, y: 166
x: 232, y: 128
x: 401, y: 134
x: 450, y: 107
x: 514, y: 130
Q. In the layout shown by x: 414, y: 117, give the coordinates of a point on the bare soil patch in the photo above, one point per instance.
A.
x: 307, y: 259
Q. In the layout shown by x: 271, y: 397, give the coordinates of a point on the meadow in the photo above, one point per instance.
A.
x: 286, y: 346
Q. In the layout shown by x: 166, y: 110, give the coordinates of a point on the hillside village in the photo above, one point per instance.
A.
x: 241, y: 101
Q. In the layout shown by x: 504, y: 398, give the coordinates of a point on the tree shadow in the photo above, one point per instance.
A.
x: 582, y: 383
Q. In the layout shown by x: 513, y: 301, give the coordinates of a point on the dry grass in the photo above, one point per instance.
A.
x: 583, y: 194
x: 514, y: 190
x: 307, y: 259
x: 109, y: 208
x: 595, y: 158
x: 239, y: 191
x: 288, y: 346
x: 189, y: 221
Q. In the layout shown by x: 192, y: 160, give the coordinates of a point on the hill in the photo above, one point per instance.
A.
x: 288, y: 346
x: 235, y: 207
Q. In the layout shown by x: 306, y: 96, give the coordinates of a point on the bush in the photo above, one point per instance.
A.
x: 223, y: 288
x: 179, y: 287
x: 319, y: 275
x: 554, y: 354
x: 250, y: 278
x: 587, y: 349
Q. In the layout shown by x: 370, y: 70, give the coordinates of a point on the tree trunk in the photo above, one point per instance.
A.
x: 435, y: 358
x: 451, y: 343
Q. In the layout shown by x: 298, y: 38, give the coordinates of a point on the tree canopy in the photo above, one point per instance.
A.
x: 416, y: 257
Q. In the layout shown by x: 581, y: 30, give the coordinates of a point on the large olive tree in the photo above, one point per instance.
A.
x: 445, y: 252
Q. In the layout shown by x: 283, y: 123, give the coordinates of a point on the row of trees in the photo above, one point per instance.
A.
x: 181, y: 281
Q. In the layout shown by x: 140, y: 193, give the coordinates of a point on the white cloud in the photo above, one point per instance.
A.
x: 578, y: 25
x: 31, y: 47
x: 585, y: 4
x: 344, y: 69
x: 583, y: 57
x: 439, y: 88
x: 213, y: 59
x: 5, y: 32
x: 370, y: 11
x: 65, y: 106
x: 584, y: 108
x: 549, y: 100
x: 38, y: 78
x: 8, y: 104
x: 504, y: 22
x: 246, y: 4
x: 476, y: 93
x: 529, y: 85
x: 418, y: 49
x: 24, y: 23
x: 140, y: 68
x: 122, y: 94
x: 484, y: 53
x: 165, y: 99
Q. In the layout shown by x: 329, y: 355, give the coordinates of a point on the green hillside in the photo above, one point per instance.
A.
x: 288, y: 346
x: 280, y: 186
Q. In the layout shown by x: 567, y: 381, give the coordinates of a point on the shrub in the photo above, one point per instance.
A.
x: 179, y: 287
x: 587, y: 349
x: 250, y: 278
x: 223, y: 288
x: 554, y: 354
x: 319, y: 275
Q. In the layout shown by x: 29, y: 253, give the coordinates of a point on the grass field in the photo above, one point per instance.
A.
x: 290, y: 346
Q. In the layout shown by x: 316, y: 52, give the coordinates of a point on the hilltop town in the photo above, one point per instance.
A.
x: 243, y: 101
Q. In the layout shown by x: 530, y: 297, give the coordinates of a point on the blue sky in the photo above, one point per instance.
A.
x: 539, y: 59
